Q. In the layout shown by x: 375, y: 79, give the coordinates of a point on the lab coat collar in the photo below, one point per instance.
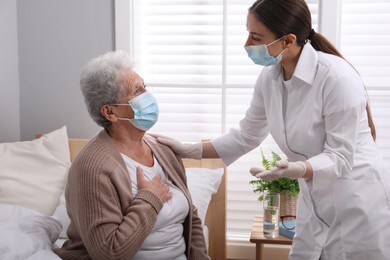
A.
x: 307, y: 64
x: 306, y: 67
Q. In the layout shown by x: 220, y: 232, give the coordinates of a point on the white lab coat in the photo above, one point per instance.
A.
x: 344, y: 211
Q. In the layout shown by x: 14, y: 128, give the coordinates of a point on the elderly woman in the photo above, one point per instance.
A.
x: 126, y: 195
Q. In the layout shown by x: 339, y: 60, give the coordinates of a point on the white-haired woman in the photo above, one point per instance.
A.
x: 126, y: 194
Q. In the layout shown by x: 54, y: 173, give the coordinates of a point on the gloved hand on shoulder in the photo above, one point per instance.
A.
x: 193, y: 151
x: 283, y: 168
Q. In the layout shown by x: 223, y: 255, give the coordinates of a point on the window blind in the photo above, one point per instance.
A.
x: 365, y: 42
x: 190, y: 54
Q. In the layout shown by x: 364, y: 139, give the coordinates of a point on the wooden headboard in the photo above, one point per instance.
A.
x: 216, y: 213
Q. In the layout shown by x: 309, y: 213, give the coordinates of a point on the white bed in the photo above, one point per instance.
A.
x: 33, y: 216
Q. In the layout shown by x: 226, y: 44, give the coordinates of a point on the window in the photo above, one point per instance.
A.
x: 365, y: 42
x: 190, y: 53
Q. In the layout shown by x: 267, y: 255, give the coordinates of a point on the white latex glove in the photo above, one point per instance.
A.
x: 193, y: 151
x: 283, y: 168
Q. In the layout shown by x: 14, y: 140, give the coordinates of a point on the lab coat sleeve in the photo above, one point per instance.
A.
x: 344, y: 116
x: 253, y: 129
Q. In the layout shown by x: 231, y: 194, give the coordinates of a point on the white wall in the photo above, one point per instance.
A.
x: 9, y: 75
x: 54, y: 39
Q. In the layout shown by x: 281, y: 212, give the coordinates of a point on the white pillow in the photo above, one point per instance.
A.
x: 203, y: 183
x: 61, y: 215
x: 33, y: 173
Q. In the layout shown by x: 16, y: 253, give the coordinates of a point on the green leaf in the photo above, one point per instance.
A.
x: 282, y: 185
x: 264, y: 161
x: 275, y: 158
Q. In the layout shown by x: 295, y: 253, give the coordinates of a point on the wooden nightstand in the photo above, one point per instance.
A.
x: 258, y: 238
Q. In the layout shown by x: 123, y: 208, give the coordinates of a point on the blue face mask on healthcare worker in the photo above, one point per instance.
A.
x: 145, y: 109
x: 259, y: 54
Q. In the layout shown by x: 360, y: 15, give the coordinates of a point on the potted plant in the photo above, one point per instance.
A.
x: 288, y: 189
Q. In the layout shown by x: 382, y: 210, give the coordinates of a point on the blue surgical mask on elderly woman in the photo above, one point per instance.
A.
x: 145, y: 109
x: 259, y: 54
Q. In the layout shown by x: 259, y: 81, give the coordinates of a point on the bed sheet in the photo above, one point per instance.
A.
x: 27, y: 234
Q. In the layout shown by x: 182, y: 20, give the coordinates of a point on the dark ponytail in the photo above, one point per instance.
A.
x: 283, y: 17
x: 320, y: 43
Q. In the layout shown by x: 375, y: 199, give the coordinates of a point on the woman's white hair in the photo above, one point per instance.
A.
x: 100, y: 82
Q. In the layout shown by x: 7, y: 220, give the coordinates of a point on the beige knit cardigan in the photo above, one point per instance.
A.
x: 107, y: 222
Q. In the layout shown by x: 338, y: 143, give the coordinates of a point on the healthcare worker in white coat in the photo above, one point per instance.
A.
x: 314, y: 105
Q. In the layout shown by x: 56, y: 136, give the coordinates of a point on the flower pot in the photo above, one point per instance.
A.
x: 288, y: 204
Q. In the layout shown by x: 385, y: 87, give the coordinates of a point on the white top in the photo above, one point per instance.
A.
x: 166, y: 240
x: 325, y: 122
